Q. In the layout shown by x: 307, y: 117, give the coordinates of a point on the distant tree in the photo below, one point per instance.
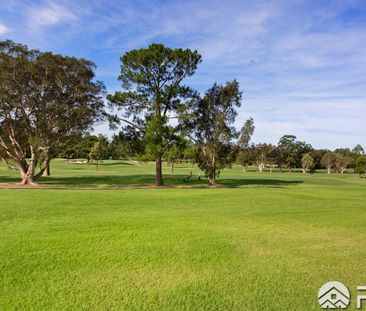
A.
x: 45, y: 100
x: 358, y: 149
x: 246, y: 133
x: 190, y: 153
x: 281, y: 154
x: 209, y: 123
x: 100, y: 150
x: 272, y: 158
x: 175, y: 153
x: 262, y: 153
x: 245, y: 157
x: 78, y: 148
x: 287, y: 144
x: 329, y: 161
x: 342, y: 163
x: 293, y: 150
x: 317, y: 155
x: 307, y: 162
x: 127, y: 144
x: 153, y: 93
x: 361, y: 165
x: 83, y: 146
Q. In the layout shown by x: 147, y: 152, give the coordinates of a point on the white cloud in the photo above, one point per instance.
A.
x: 49, y: 14
x: 3, y: 29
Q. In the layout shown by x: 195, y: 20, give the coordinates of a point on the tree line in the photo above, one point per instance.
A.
x: 287, y: 155
x: 50, y: 102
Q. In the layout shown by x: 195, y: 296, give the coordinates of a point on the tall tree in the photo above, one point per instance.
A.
x: 153, y: 93
x: 45, y: 100
x: 209, y: 122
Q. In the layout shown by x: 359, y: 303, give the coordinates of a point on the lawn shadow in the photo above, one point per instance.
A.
x: 258, y: 182
x: 145, y: 180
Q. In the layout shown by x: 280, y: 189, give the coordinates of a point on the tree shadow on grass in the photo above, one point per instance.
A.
x: 258, y: 182
x: 145, y: 180
x: 9, y: 179
x: 116, y: 163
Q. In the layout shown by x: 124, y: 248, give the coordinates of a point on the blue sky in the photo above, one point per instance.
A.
x: 301, y: 64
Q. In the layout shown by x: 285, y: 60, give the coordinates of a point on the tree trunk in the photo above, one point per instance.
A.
x: 328, y: 170
x: 244, y: 169
x: 158, y: 175
x: 213, y: 173
x: 260, y: 167
x: 270, y: 170
x: 47, y: 171
x: 27, y: 171
x: 97, y: 165
x: 28, y: 179
x: 172, y: 167
x: 213, y: 178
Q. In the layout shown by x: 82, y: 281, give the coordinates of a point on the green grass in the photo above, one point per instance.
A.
x: 231, y: 248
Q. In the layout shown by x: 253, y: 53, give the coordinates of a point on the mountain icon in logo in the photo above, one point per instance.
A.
x: 334, y: 295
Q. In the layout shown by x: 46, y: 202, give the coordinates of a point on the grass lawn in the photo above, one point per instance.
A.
x: 245, y: 246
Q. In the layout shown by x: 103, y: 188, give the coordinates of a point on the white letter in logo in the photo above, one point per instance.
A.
x: 360, y: 297
x: 334, y: 295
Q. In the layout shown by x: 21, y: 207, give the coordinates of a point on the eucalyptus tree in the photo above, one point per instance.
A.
x: 262, y: 154
x: 245, y: 153
x: 342, y: 163
x: 328, y: 161
x: 208, y: 121
x: 307, y: 163
x: 45, y: 100
x: 245, y: 157
x: 292, y: 150
x: 153, y: 93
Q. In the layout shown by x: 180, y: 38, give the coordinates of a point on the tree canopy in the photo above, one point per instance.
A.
x: 153, y: 93
x: 45, y: 100
x: 209, y: 123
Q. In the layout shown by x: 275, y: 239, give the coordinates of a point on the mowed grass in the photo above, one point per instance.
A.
x: 230, y: 248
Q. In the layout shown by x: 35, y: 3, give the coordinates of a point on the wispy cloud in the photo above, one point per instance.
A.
x: 49, y: 14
